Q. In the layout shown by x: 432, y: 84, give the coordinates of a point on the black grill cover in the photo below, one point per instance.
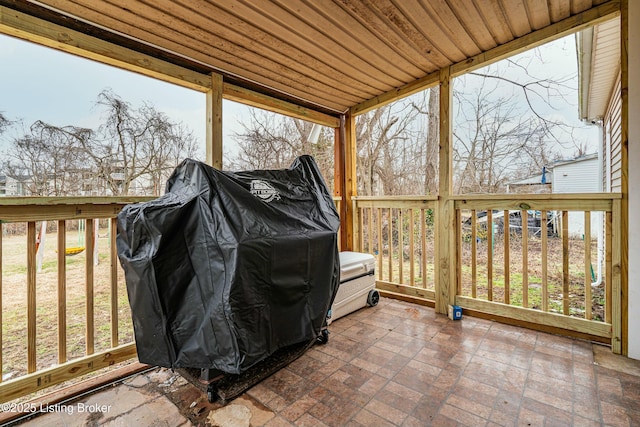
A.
x: 226, y: 268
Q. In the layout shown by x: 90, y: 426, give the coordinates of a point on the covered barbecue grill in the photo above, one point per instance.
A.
x: 226, y: 268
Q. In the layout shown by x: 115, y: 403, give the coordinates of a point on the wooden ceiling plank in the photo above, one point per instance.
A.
x: 305, y: 37
x: 559, y: 9
x: 32, y: 29
x: 408, y: 25
x: 280, y: 47
x: 449, y: 23
x: 202, y: 41
x: 560, y: 29
x: 340, y: 27
x: 473, y: 23
x: 495, y: 20
x: 516, y: 13
x: 578, y: 6
x: 537, y: 38
x: 539, y: 14
x: 36, y: 30
x: 365, y: 30
x: 134, y: 27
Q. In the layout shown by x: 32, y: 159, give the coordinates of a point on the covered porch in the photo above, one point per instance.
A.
x: 406, y: 341
x: 396, y: 364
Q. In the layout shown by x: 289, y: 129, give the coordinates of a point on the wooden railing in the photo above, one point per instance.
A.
x: 539, y: 257
x: 71, y: 318
x: 535, y: 260
x: 400, y: 232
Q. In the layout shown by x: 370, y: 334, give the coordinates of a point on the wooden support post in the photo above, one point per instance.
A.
x: 621, y: 320
x: 214, y: 122
x: 618, y: 300
x: 348, y: 140
x: 445, y: 285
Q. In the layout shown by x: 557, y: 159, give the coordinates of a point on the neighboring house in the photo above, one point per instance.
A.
x: 579, y: 175
x: 11, y: 186
x: 539, y: 183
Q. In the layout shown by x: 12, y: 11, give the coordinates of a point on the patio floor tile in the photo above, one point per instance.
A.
x: 399, y: 364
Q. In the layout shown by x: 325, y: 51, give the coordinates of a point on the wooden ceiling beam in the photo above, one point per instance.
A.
x: 534, y: 39
x: 33, y: 29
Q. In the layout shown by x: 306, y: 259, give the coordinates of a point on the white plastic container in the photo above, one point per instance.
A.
x: 357, y: 284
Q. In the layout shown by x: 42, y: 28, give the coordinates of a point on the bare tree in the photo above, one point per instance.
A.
x: 498, y: 137
x: 432, y: 141
x: 398, y: 146
x: 48, y: 158
x: 138, y: 147
x: 4, y: 123
x: 273, y: 141
x: 135, y: 145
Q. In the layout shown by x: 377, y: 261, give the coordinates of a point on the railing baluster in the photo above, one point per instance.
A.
x: 474, y: 256
x: 89, y: 247
x: 524, y: 219
x: 400, y: 246
x: 390, y: 244
x: 361, y: 227
x: 113, y: 225
x: 370, y: 228
x: 31, y: 296
x: 565, y: 262
x: 412, y: 278
x: 587, y: 265
x: 458, y: 257
x: 545, y: 282
x: 506, y: 231
x: 62, y: 292
x: 608, y: 282
x: 423, y: 246
x: 380, y: 248
x: 489, y: 254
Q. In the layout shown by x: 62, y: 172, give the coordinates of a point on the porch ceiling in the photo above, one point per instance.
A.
x: 329, y: 55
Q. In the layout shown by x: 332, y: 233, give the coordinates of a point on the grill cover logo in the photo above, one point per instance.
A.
x: 264, y: 191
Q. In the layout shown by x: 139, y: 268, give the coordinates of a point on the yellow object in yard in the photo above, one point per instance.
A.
x: 75, y: 250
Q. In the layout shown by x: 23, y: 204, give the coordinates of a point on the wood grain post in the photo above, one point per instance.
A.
x: 214, y: 122
x: 446, y: 249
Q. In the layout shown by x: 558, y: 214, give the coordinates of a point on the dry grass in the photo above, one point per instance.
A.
x: 14, y: 303
x: 516, y: 289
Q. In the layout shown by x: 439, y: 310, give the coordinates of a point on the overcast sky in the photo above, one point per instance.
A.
x: 39, y: 83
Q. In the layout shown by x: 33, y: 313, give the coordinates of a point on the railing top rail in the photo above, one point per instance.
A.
x: 396, y: 198
x: 19, y: 209
x: 71, y: 200
x: 538, y: 197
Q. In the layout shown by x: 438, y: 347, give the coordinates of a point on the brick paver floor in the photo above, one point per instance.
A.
x: 397, y: 364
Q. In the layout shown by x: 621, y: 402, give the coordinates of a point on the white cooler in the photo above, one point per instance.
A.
x: 357, y: 284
